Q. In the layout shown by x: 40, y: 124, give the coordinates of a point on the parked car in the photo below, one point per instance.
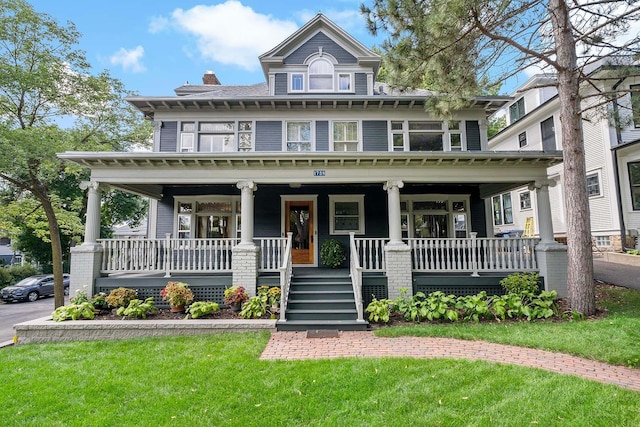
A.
x: 32, y: 288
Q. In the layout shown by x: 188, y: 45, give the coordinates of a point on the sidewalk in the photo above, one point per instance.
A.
x: 296, y: 346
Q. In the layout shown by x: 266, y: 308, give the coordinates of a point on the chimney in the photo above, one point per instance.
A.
x: 210, y: 78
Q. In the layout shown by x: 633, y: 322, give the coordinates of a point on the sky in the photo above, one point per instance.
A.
x: 155, y: 46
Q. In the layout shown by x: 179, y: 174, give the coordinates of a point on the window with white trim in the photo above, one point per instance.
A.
x: 635, y: 104
x: 344, y: 82
x: 345, y: 136
x: 207, y: 217
x: 525, y: 200
x: 502, y: 209
x: 297, y: 82
x: 435, y: 216
x: 602, y: 241
x: 298, y: 136
x: 321, y: 75
x: 593, y: 184
x: 427, y: 135
x: 216, y: 137
x: 346, y: 214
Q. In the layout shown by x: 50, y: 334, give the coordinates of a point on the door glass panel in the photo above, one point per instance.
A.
x: 431, y: 226
x: 460, y: 224
x: 299, y: 226
x: 213, y: 226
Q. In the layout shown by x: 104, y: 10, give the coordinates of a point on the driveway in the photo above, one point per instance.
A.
x: 616, y: 274
x: 18, y: 312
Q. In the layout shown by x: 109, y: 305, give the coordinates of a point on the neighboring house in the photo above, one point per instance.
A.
x: 125, y: 231
x: 8, y: 255
x: 247, y: 182
x: 612, y: 160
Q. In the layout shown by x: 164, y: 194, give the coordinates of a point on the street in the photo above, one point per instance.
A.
x: 18, y: 312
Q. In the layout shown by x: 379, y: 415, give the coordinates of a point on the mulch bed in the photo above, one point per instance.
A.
x: 602, y: 294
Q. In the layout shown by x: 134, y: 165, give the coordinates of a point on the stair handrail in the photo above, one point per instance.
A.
x: 286, y: 271
x: 355, y: 271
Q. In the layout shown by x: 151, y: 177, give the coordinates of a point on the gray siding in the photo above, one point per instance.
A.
x: 361, y: 84
x: 322, y: 136
x: 165, y: 217
x: 269, y: 136
x: 473, y: 136
x: 375, y: 135
x: 169, y: 137
x: 312, y: 46
x: 281, y: 84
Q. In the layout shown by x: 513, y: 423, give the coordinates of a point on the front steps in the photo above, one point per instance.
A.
x: 321, y: 300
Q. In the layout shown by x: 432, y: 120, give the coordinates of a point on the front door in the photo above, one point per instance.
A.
x: 299, y: 221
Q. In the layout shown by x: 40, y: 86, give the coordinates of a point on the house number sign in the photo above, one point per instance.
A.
x: 319, y: 172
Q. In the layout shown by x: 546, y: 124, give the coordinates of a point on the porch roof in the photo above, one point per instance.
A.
x: 210, y: 101
x: 145, y: 172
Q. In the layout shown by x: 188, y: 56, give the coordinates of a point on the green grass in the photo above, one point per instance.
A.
x: 613, y: 339
x: 218, y: 381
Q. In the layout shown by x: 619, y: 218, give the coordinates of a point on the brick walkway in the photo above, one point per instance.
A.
x: 296, y: 346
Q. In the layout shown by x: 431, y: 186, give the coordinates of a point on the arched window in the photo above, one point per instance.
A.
x: 321, y: 75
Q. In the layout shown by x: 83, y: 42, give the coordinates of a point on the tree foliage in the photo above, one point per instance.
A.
x: 462, y: 48
x: 45, y: 81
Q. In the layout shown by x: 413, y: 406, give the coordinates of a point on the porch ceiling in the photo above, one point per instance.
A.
x: 146, y: 172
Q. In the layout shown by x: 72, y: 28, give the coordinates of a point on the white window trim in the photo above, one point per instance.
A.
x: 331, y: 140
x: 446, y: 134
x: 519, y: 198
x: 526, y: 140
x: 323, y: 58
x: 290, y: 81
x: 359, y: 198
x: 502, y: 219
x: 351, y: 82
x: 312, y: 124
x: 598, y: 173
x: 450, y: 198
x: 177, y: 200
x: 196, y: 135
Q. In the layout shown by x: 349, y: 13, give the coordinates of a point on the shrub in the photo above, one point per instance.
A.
x: 332, y: 253
x: 253, y: 308
x: 83, y: 310
x: 521, y: 283
x: 379, y: 310
x: 235, y: 295
x: 177, y: 294
x: 138, y: 309
x: 265, y: 302
x: 14, y: 273
x: 201, y: 308
x: 121, y: 297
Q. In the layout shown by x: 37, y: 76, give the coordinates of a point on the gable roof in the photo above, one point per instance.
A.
x: 319, y: 23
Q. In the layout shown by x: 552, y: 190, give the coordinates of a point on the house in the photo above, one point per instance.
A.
x: 612, y: 156
x: 247, y: 182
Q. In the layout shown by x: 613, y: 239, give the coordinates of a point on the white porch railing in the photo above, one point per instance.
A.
x: 474, y: 255
x: 286, y: 271
x: 167, y: 255
x: 272, y: 252
x: 355, y: 271
x: 370, y: 253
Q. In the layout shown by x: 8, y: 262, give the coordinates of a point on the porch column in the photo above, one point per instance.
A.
x: 395, y: 224
x: 86, y: 259
x: 246, y: 234
x: 246, y: 255
x: 551, y: 256
x: 397, y: 253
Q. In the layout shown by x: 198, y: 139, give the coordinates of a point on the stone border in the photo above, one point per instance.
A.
x: 46, y: 330
x: 619, y: 258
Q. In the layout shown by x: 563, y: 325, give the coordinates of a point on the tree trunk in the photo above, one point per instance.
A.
x: 580, y: 258
x: 56, y: 250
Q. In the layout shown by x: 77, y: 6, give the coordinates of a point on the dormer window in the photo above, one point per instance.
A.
x: 321, y: 75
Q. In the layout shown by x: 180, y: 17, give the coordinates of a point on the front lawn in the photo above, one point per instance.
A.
x: 218, y: 380
x: 612, y: 338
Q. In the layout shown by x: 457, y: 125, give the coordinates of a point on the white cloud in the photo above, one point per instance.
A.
x: 130, y: 60
x: 158, y: 24
x: 232, y: 33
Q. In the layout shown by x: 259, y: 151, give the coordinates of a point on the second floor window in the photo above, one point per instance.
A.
x: 216, y: 137
x: 298, y: 136
x: 548, y: 135
x: 426, y: 136
x: 345, y: 136
x: 593, y: 184
x: 522, y: 139
x: 516, y: 111
x: 635, y: 104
